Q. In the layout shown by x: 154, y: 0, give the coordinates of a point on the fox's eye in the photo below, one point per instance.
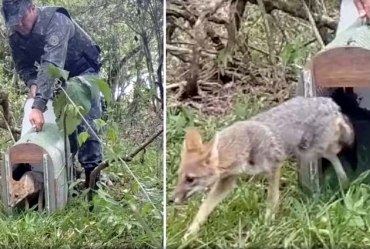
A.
x: 16, y: 196
x: 189, y: 179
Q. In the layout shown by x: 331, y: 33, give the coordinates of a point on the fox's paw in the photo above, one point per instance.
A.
x: 191, y: 232
x: 186, y: 237
x: 345, y: 183
x: 269, y: 215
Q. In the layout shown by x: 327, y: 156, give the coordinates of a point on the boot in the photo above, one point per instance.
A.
x: 87, y: 180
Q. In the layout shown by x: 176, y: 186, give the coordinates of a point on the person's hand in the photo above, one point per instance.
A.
x: 37, y: 119
x: 363, y: 8
x: 32, y: 93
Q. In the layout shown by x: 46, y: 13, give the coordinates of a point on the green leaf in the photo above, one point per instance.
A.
x: 147, y: 207
x: 87, y: 81
x: 72, y: 120
x: 71, y: 109
x: 135, y: 187
x: 59, y: 106
x: 80, y: 94
x: 112, y: 135
x: 111, y: 155
x: 99, y: 123
x: 103, y: 87
x: 82, y: 137
x: 56, y: 73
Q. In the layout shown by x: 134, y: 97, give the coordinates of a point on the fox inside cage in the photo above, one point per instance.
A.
x: 341, y: 71
x: 39, y: 162
x: 355, y: 159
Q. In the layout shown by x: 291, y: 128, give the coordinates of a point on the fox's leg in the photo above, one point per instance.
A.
x: 27, y: 206
x: 273, y: 192
x: 218, y: 192
x: 338, y: 167
x: 41, y: 199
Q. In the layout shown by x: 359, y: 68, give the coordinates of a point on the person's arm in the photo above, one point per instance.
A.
x: 59, y: 31
x: 23, y: 65
x: 363, y: 8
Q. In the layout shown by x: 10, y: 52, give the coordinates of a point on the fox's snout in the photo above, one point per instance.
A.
x: 177, y: 197
x: 173, y: 200
x: 185, y: 191
x: 12, y: 203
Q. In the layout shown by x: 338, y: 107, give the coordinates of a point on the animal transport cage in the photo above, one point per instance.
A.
x: 43, y: 151
x: 340, y: 70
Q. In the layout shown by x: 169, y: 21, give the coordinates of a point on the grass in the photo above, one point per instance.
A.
x: 330, y: 220
x: 122, y: 218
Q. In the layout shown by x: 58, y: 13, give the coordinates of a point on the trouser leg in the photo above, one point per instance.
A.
x: 90, y: 153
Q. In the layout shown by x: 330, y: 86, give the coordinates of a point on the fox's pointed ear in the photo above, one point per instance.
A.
x: 193, y: 140
x: 211, y: 155
x: 26, y: 184
x: 10, y: 179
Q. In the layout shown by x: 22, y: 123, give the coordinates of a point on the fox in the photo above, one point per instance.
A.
x: 30, y: 185
x: 302, y: 127
x: 312, y: 128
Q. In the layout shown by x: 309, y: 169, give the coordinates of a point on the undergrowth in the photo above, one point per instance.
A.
x: 122, y: 216
x: 112, y: 223
x: 334, y: 219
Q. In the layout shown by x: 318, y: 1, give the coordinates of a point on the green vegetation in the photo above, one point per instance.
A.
x: 331, y: 220
x: 129, y: 213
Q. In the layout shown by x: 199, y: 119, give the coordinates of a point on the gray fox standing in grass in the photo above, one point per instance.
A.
x: 30, y: 185
x: 305, y: 128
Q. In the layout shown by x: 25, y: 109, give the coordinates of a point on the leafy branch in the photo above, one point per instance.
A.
x: 128, y: 158
x: 77, y: 97
x: 74, y: 103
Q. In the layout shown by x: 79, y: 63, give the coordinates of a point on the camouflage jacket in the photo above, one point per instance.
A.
x: 57, y: 40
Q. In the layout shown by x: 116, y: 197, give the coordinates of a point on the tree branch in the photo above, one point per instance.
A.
x: 6, y: 123
x: 175, y: 11
x: 269, y: 37
x: 296, y: 10
x: 128, y: 158
x: 312, y: 21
